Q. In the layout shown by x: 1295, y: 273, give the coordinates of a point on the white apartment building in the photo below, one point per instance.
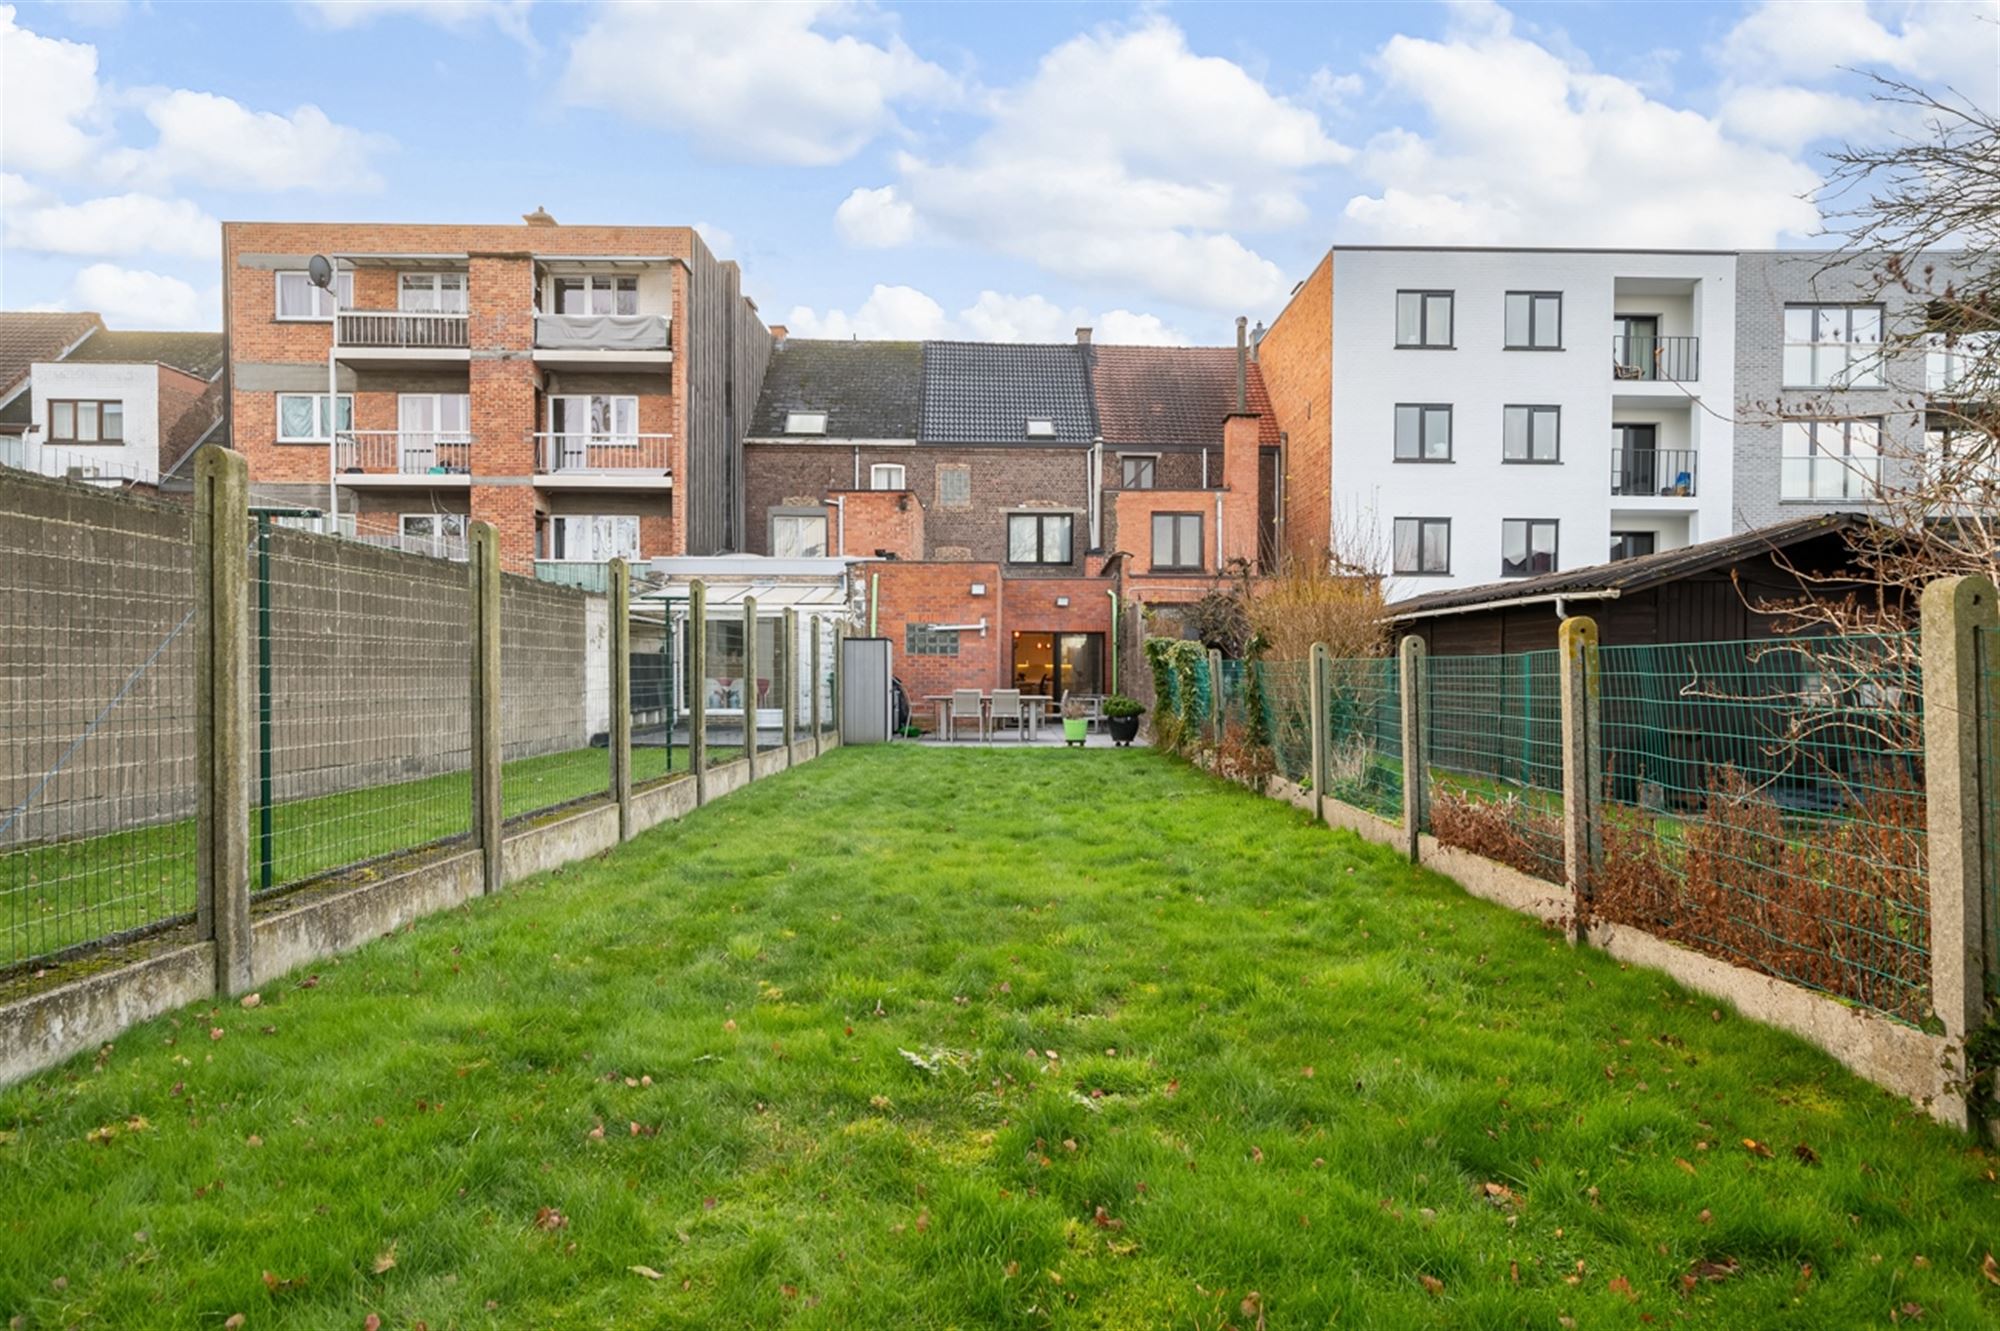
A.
x: 1502, y: 413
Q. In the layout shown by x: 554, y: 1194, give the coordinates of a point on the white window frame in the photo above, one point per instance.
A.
x: 1860, y: 475
x: 1868, y: 362
x: 432, y: 285
x: 796, y: 523
x: 1040, y: 427
x: 343, y: 283
x: 320, y: 434
x: 613, y: 436
x: 599, y: 532
x: 592, y: 283
x: 438, y: 538
x: 880, y: 471
x: 805, y: 422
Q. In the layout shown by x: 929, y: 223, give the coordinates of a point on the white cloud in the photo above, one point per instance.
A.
x: 50, y: 116
x: 134, y: 298
x: 120, y: 224
x: 874, y: 219
x: 1333, y: 89
x: 780, y: 83
x: 1126, y: 158
x: 214, y: 140
x: 900, y: 312
x: 1934, y: 44
x: 510, y: 16
x: 1568, y: 156
x: 720, y: 240
x: 1791, y: 117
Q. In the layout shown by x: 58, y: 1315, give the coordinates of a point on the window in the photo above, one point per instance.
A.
x: 1423, y: 318
x: 593, y: 294
x: 886, y: 476
x: 798, y: 535
x: 594, y: 537
x: 1531, y: 434
x: 954, y: 486
x: 1423, y: 432
x: 1632, y: 544
x: 1177, y: 540
x: 439, y: 534
x: 302, y: 417
x: 1527, y: 546
x: 86, y: 422
x: 923, y: 640
x: 1833, y: 346
x: 298, y: 298
x: 1422, y: 546
x: 1831, y: 460
x: 1038, y: 538
x: 1534, y: 321
x: 1041, y: 428
x: 599, y: 417
x: 1951, y: 362
x: 1137, y: 473
x: 431, y: 293
x: 805, y: 422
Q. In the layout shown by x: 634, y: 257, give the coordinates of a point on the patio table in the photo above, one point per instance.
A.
x: 1036, y: 707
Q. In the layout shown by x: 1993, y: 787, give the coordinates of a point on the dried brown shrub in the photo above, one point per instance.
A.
x: 1836, y: 903
x: 1239, y: 759
x: 1509, y: 829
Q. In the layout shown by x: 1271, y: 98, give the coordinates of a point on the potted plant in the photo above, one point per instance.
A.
x: 1076, y: 720
x: 1122, y: 715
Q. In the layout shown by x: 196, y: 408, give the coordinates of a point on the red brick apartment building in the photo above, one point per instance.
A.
x: 1023, y: 507
x: 580, y: 387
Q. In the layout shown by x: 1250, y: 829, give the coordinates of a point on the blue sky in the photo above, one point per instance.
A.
x: 941, y: 170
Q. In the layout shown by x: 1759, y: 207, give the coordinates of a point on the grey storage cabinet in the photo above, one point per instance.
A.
x: 867, y: 703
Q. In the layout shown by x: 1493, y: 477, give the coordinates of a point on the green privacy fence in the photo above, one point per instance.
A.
x: 1364, y: 734
x: 1494, y: 726
x: 1288, y: 696
x: 1764, y: 802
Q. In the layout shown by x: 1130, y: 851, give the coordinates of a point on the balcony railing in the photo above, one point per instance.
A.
x: 404, y: 453
x: 1662, y: 359
x: 408, y: 330
x: 1653, y: 472
x: 601, y: 332
x: 580, y: 452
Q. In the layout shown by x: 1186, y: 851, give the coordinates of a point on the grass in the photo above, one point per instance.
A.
x: 921, y: 1037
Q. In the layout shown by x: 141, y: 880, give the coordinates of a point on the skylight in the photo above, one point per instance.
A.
x: 805, y: 422
x: 1041, y: 428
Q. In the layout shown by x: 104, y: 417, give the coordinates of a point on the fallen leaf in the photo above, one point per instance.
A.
x: 372, y: 1322
x: 1990, y: 1269
x: 1432, y: 1284
x: 1620, y: 1285
x: 235, y: 1322
x: 253, y: 1000
x: 550, y: 1218
x: 1257, y: 1154
x: 1717, y: 1272
x: 1756, y: 1148
x: 386, y: 1259
x: 923, y: 1221
x: 1806, y: 1154
x: 647, y: 1272
x: 1706, y: 1217
x: 1103, y: 1220
x: 253, y: 1140
x: 215, y: 1032
x: 1684, y: 1164
x: 279, y: 1285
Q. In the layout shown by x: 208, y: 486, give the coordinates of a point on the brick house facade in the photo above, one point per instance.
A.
x: 574, y: 385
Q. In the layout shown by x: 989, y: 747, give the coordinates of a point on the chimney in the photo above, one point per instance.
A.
x: 1083, y: 337
x: 1242, y: 364
x: 539, y: 217
x: 778, y: 332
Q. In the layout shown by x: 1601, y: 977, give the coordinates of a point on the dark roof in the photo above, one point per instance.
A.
x: 199, y: 354
x: 28, y: 337
x: 987, y: 392
x: 1173, y: 395
x: 868, y: 390
x: 1631, y: 575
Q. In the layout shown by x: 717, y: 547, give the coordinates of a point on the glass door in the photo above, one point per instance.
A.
x: 1636, y: 460
x: 1638, y: 339
x: 417, y: 422
x: 1082, y: 665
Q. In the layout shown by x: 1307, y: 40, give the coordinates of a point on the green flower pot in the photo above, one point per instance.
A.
x: 1076, y: 731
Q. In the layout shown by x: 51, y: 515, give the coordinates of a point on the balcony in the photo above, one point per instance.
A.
x: 602, y: 341
x: 585, y: 459
x: 403, y: 457
x: 1653, y: 473
x: 1651, y: 359
x: 390, y: 337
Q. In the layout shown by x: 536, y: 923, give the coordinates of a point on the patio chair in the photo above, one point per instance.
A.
x: 1006, y: 710
x: 965, y: 706
x: 1093, y: 710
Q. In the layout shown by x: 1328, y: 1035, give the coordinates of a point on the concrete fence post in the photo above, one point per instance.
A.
x: 1215, y: 696
x: 223, y: 712
x: 1583, y: 767
x: 817, y: 677
x: 1318, y: 679
x: 750, y: 684
x: 697, y: 686
x: 788, y: 664
x: 621, y: 694
x: 1413, y: 691
x: 483, y: 572
x: 1956, y: 692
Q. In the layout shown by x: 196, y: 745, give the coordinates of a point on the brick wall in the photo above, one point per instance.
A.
x: 1296, y: 359
x: 878, y: 522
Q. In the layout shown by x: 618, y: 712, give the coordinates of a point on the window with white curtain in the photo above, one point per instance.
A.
x: 431, y: 293
x: 594, y: 537
x: 302, y: 417
x: 298, y: 298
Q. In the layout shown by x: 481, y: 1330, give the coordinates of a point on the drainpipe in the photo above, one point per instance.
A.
x: 840, y: 538
x: 1218, y: 531
x: 1095, y: 490
x: 857, y: 466
x: 874, y: 600
x: 1114, y: 639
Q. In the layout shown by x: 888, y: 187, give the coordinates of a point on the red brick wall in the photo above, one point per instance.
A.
x: 1239, y: 483
x: 1296, y: 359
x: 1134, y: 523
x: 878, y: 522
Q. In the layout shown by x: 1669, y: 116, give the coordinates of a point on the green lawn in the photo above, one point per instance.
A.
x: 925, y: 1037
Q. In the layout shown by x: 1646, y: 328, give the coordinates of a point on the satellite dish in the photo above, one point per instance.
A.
x: 319, y: 271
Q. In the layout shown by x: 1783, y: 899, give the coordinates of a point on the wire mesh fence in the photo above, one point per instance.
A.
x: 97, y: 738
x: 1764, y: 802
x: 655, y: 713
x: 1288, y: 695
x: 1494, y: 727
x: 362, y: 657
x: 1364, y: 739
x: 555, y: 696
